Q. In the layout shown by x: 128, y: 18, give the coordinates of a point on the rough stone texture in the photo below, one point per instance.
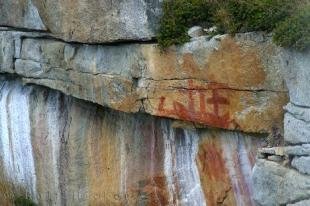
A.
x: 302, y: 164
x: 297, y: 150
x: 95, y: 21
x: 275, y: 158
x: 195, y: 31
x: 79, y: 153
x: 10, y: 47
x: 301, y: 203
x: 20, y: 14
x: 288, y: 182
x: 296, y: 130
x: 297, y: 124
x: 62, y: 151
x: 7, y: 51
x: 299, y: 112
x: 227, y: 83
x: 275, y: 184
x: 296, y: 69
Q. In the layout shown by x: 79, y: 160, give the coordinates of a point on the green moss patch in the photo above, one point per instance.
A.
x: 294, y: 31
x: 287, y: 19
x: 23, y: 201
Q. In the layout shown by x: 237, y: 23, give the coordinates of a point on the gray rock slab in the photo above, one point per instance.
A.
x: 301, y: 203
x: 99, y: 21
x: 275, y: 184
x: 296, y: 131
x: 296, y: 68
x: 302, y: 164
x: 20, y: 14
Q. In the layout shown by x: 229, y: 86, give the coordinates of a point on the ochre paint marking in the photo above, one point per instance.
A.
x: 202, y: 116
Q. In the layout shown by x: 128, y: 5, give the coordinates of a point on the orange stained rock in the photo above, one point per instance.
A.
x: 235, y: 65
x: 214, y: 175
x: 232, y: 63
x: 201, y: 115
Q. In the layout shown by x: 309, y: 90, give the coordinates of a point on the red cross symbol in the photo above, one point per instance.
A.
x: 217, y: 100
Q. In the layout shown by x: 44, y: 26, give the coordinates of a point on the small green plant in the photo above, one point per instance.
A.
x: 232, y: 16
x: 250, y: 15
x: 178, y: 16
x: 294, y: 31
x: 23, y: 201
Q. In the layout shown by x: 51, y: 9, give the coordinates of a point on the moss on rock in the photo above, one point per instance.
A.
x: 294, y: 31
x: 232, y: 16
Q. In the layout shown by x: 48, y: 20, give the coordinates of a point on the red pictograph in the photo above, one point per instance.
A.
x: 189, y: 113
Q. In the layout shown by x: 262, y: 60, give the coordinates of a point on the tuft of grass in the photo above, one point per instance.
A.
x: 232, y: 16
x: 23, y: 201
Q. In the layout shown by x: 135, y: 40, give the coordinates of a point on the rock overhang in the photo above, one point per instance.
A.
x: 227, y: 82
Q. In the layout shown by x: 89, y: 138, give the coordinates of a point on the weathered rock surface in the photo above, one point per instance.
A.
x: 10, y: 47
x: 20, y: 14
x: 302, y: 164
x: 95, y: 21
x: 101, y: 20
x: 288, y: 182
x: 59, y: 150
x: 225, y: 82
x: 275, y: 184
x: 195, y: 31
x: 62, y: 151
x: 296, y: 69
x: 301, y: 203
x: 297, y: 124
x: 297, y: 150
x: 296, y: 130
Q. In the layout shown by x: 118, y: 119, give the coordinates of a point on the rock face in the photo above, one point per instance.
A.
x: 85, y: 21
x: 101, y: 20
x: 119, y: 122
x: 63, y: 151
x: 278, y: 185
x: 287, y: 181
x: 21, y: 14
x: 302, y: 164
x: 222, y: 82
x: 296, y: 70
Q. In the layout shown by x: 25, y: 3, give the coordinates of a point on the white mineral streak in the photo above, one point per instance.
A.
x: 15, y: 135
x: 123, y: 165
x: 191, y: 193
x: 4, y: 129
x: 238, y: 166
x: 245, y: 164
x: 53, y: 112
x: 169, y: 164
x: 181, y: 148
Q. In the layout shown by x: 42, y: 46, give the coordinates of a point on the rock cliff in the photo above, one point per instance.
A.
x: 225, y: 82
x: 284, y: 171
x: 92, y: 112
x: 63, y: 151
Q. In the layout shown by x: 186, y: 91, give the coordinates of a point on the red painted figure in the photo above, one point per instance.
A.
x: 202, y: 116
